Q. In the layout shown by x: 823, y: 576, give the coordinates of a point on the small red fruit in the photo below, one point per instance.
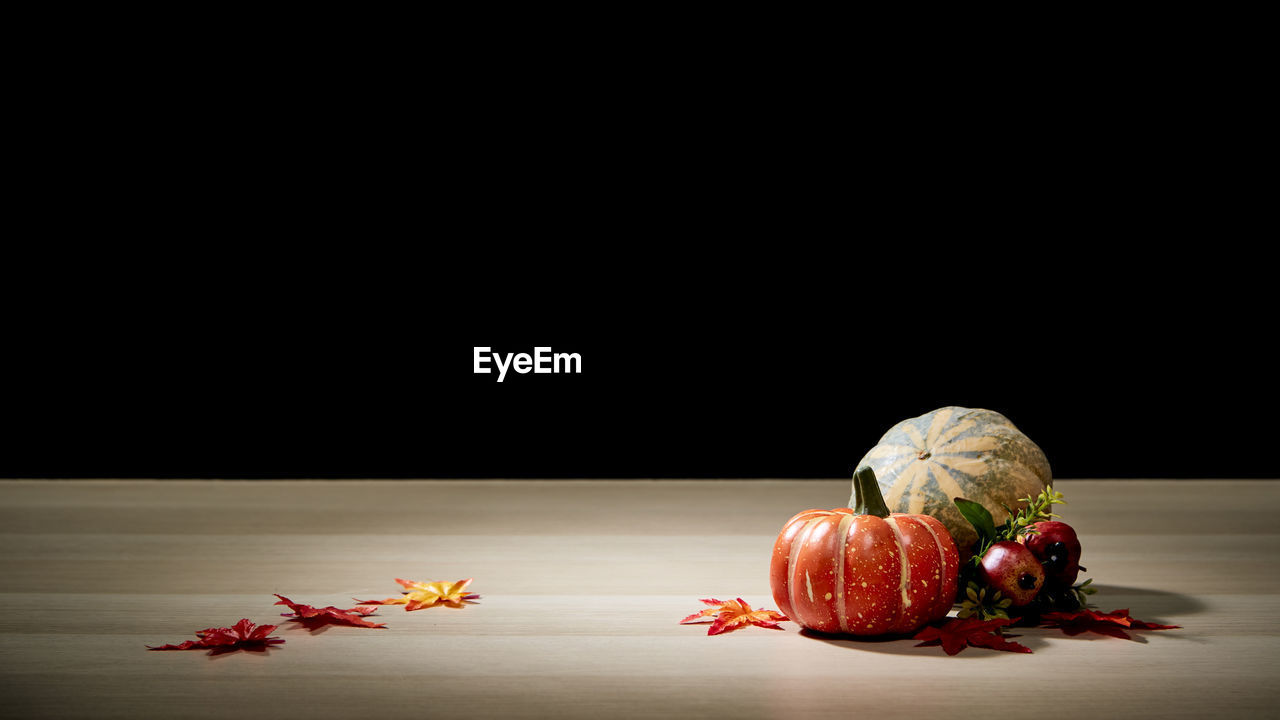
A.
x: 1013, y: 570
x: 1057, y: 548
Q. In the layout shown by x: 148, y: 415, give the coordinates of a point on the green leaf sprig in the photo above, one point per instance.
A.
x: 1035, y: 511
x: 1082, y: 591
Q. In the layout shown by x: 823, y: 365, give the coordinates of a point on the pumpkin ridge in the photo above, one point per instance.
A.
x: 942, y: 599
x: 900, y: 482
x: 898, y: 464
x: 940, y: 421
x: 846, y: 525
x: 953, y: 434
x: 904, y: 581
x: 802, y: 539
x: 919, y: 478
x: 952, y: 488
x: 994, y: 444
x: 913, y: 434
x: 1024, y: 469
x: 780, y: 564
x: 894, y: 450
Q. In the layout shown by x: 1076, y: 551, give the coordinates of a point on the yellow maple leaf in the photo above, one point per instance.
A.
x: 420, y: 594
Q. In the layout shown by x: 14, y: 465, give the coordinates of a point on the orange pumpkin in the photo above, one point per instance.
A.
x: 864, y: 571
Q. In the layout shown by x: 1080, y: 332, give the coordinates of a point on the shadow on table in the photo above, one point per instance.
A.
x: 217, y: 654
x: 1150, y: 605
x: 906, y: 645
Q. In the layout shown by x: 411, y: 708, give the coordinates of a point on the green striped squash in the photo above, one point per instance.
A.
x: 924, y: 462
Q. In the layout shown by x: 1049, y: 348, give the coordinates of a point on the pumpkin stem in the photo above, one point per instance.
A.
x: 867, y: 499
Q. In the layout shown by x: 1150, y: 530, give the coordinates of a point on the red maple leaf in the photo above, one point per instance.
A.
x: 733, y: 614
x: 955, y: 634
x: 1113, y: 623
x: 244, y: 635
x: 313, y: 618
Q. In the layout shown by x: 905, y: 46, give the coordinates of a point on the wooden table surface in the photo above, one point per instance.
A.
x: 582, y: 585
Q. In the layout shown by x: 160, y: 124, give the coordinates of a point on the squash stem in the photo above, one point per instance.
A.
x: 867, y: 499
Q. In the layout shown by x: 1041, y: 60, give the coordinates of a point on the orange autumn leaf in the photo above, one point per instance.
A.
x: 708, y: 612
x: 420, y: 595
x: 732, y: 614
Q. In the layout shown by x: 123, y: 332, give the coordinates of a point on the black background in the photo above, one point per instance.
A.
x: 791, y: 366
x: 216, y: 272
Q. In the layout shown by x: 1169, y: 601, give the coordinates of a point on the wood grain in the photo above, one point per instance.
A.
x: 582, y: 584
